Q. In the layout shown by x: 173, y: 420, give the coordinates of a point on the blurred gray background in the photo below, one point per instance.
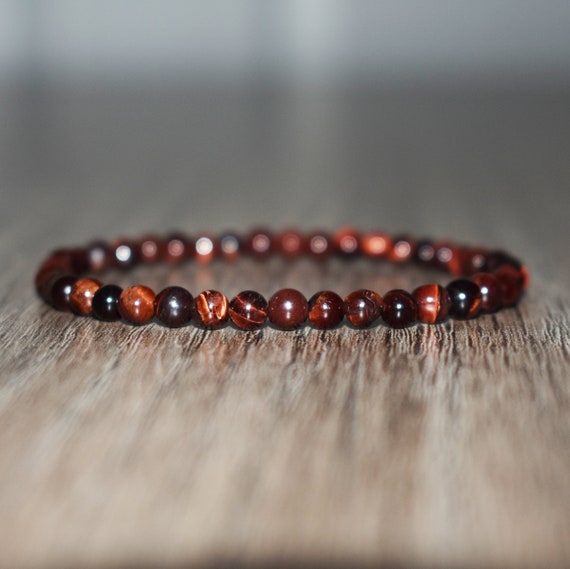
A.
x: 308, y: 112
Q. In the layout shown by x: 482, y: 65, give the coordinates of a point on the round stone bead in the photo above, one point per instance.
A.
x: 465, y: 298
x: 211, y: 309
x: 248, y: 310
x: 290, y: 244
x: 82, y: 293
x: 105, y: 305
x: 136, y: 304
x: 177, y: 248
x: 472, y: 260
x: 326, y: 309
x: 99, y: 256
x: 124, y: 253
x: 399, y: 309
x: 375, y: 244
x: 152, y: 249
x: 287, y: 309
x: 425, y: 252
x: 347, y: 242
x: 319, y: 245
x: 448, y: 258
x: 61, y: 292
x: 174, y: 306
x: 491, y: 295
x: 259, y: 243
x: 511, y: 282
x: 230, y: 246
x: 402, y: 250
x: 362, y: 307
x: 205, y: 248
x: 433, y: 303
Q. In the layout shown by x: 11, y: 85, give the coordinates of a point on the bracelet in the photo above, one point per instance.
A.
x: 488, y: 281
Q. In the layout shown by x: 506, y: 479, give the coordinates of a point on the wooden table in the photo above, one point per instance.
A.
x: 445, y: 446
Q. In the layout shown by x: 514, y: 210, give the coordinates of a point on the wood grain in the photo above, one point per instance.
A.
x: 444, y: 446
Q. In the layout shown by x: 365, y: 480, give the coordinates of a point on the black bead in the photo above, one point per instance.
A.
x: 61, y: 292
x: 174, y: 306
x: 105, y: 305
x: 465, y: 298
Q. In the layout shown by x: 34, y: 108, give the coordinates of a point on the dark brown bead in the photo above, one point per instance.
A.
x: 511, y: 282
x: 290, y: 244
x: 362, y: 307
x: 82, y: 294
x: 465, y: 298
x: 259, y: 243
x: 205, y: 248
x: 402, y: 250
x: 347, y: 242
x: 491, y: 295
x: 61, y: 292
x: 496, y: 259
x: 152, y: 249
x: 105, y: 305
x: 326, y: 309
x: 174, y: 306
x: 425, y: 252
x: 248, y: 310
x: 375, y: 244
x: 287, y: 309
x: 399, y: 309
x: 125, y: 253
x: 448, y: 258
x: 319, y: 245
x: 211, y: 309
x: 79, y: 261
x: 99, y: 256
x: 433, y: 303
x: 177, y: 248
x: 230, y: 246
x: 136, y: 304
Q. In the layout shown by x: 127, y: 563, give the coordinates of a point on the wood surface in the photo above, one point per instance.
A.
x: 434, y: 446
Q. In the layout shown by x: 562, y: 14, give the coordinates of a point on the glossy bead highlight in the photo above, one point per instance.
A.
x: 287, y: 309
x: 82, y: 294
x: 465, y: 298
x: 399, y: 309
x: 326, y: 309
x: 248, y: 310
x: 211, y: 309
x: 433, y: 303
x: 105, y: 305
x: 174, y: 306
x: 362, y: 307
x: 136, y: 304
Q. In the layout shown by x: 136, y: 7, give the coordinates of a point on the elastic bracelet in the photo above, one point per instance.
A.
x: 485, y: 281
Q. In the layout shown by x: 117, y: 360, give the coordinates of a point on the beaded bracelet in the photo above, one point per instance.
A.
x: 490, y: 280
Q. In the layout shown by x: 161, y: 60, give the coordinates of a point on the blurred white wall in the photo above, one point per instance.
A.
x: 302, y: 40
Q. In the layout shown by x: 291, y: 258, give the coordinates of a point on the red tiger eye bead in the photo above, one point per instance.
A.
x: 136, y: 304
x: 124, y: 253
x: 402, y: 250
x: 290, y: 244
x: 491, y: 295
x: 61, y: 292
x: 326, y: 309
x: 82, y: 293
x: 465, y: 298
x: 287, y: 309
x: 205, y: 248
x: 433, y: 303
x: 319, y: 245
x: 105, y: 305
x: 375, y: 244
x: 99, y: 256
x: 152, y: 249
x: 230, y: 246
x: 174, y: 306
x: 347, y: 241
x: 472, y: 260
x: 259, y: 243
x: 248, y: 310
x: 447, y: 257
x: 211, y: 309
x: 511, y: 282
x: 399, y: 309
x: 362, y: 307
x: 177, y: 248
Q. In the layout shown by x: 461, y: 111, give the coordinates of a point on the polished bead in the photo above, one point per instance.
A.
x: 326, y: 309
x: 61, y: 292
x: 511, y: 282
x: 363, y: 307
x: 491, y: 295
x: 230, y: 246
x: 125, y: 253
x: 496, y: 259
x: 248, y: 310
x: 433, y: 303
x: 105, y: 305
x: 174, y: 306
x: 211, y: 309
x: 290, y: 244
x: 399, y: 309
x: 375, y: 244
x: 46, y: 273
x: 425, y: 252
x: 287, y: 309
x: 177, y: 248
x: 99, y: 256
x: 472, y: 260
x: 402, y: 250
x: 152, y: 249
x: 319, y: 245
x: 205, y: 248
x: 448, y: 258
x: 465, y: 298
x: 347, y: 241
x: 82, y: 294
x: 136, y: 304
x: 259, y: 243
